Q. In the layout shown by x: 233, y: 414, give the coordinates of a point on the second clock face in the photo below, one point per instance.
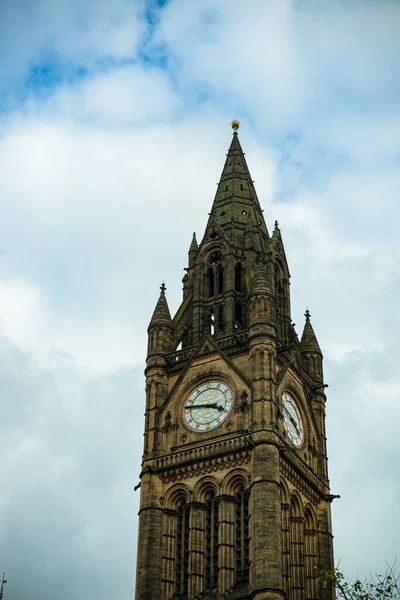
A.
x: 292, y: 420
x: 207, y: 405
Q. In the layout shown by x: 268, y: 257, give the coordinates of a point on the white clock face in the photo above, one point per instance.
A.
x: 208, y: 405
x: 292, y: 420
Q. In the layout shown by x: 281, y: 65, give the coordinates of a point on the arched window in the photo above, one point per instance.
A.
x: 238, y: 277
x: 215, y: 257
x: 211, y: 545
x: 242, y: 536
x: 220, y: 319
x: 296, y: 550
x: 211, y: 289
x: 220, y: 279
x: 212, y: 322
x: 182, y: 551
x: 286, y: 539
x: 311, y: 558
x: 238, y: 315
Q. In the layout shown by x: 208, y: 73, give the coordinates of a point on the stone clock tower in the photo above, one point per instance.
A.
x: 235, y: 499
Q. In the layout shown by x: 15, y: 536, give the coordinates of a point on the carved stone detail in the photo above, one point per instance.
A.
x: 299, y: 483
x: 207, y: 466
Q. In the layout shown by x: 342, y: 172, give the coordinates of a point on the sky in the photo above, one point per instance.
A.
x: 114, y: 124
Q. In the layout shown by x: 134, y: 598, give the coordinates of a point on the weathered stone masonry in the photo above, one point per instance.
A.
x: 242, y: 509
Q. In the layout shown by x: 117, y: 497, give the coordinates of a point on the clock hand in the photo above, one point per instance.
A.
x: 292, y: 420
x: 216, y: 406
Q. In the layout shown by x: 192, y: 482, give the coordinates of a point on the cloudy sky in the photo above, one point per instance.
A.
x: 114, y: 124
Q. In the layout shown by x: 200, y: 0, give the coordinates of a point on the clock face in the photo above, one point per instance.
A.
x: 207, y: 405
x: 292, y: 420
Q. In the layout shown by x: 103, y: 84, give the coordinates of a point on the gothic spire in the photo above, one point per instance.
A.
x: 236, y: 202
x: 161, y: 314
x: 194, y: 245
x: 309, y: 343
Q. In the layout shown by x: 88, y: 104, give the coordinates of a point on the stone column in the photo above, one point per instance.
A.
x: 265, y: 525
x: 148, y: 580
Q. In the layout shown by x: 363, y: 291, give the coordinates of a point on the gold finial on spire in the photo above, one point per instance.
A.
x: 235, y: 125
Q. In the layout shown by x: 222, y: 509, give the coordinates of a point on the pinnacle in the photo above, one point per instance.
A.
x: 161, y: 314
x: 309, y: 343
x: 194, y: 245
x: 236, y: 204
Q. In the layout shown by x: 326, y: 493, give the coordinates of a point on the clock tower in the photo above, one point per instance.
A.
x: 235, y: 499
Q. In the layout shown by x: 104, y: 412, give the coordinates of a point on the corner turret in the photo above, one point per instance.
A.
x: 261, y: 302
x: 311, y: 355
x: 193, y: 249
x: 161, y: 329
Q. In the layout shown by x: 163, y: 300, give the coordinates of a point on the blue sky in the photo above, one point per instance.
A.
x: 114, y: 124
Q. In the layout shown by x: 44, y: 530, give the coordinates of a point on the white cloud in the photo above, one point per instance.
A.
x: 81, y: 32
x: 224, y: 44
x: 66, y: 462
x: 129, y: 95
x: 284, y: 62
x: 87, y: 205
x: 55, y: 340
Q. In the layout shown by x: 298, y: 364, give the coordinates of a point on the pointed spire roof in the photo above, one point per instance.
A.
x: 161, y: 314
x: 309, y: 343
x: 236, y: 202
x: 194, y: 245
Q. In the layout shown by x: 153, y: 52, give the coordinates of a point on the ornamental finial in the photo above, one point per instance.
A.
x: 235, y: 125
x: 163, y: 287
x: 307, y: 314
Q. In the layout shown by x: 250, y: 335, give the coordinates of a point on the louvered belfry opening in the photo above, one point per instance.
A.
x: 214, y: 300
x: 242, y: 537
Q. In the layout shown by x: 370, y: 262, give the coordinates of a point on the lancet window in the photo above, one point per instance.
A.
x: 311, y: 556
x: 211, y: 282
x: 215, y: 275
x: 206, y: 540
x: 238, y: 315
x: 214, y: 317
x: 182, y: 551
x: 242, y: 536
x: 220, y: 279
x: 211, y: 542
x: 286, y: 540
x: 238, y: 277
x: 220, y: 324
x: 296, y: 549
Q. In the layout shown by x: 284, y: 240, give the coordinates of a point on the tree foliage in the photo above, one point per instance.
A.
x: 384, y: 586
